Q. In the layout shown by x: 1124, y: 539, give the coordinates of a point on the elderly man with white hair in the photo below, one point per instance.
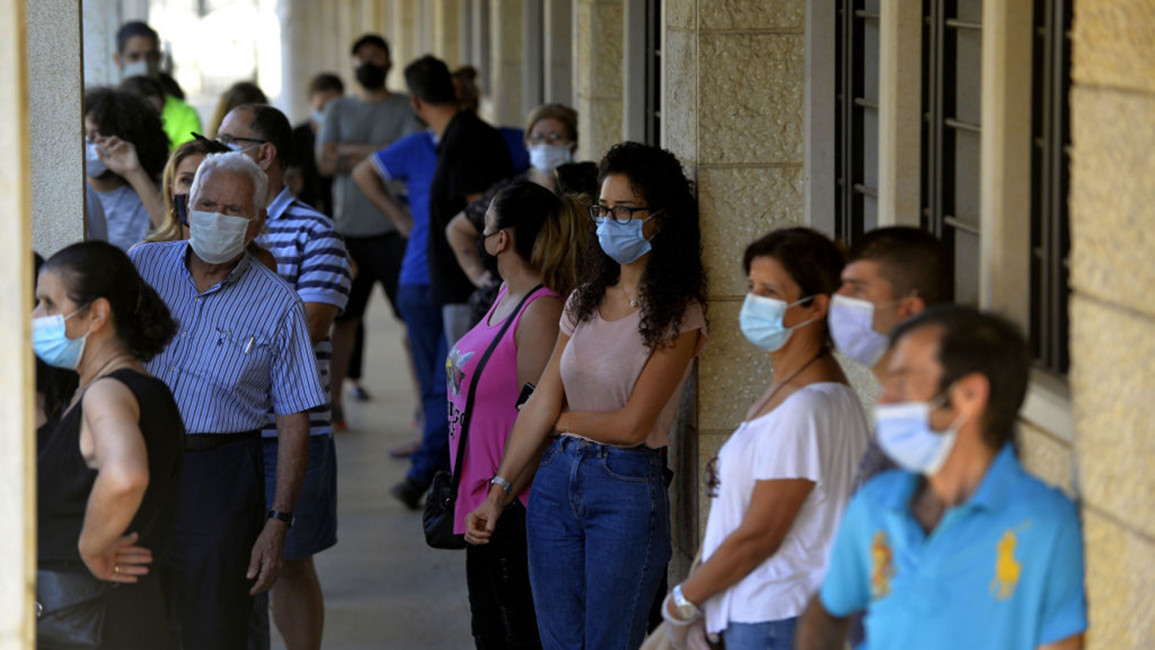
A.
x: 242, y: 350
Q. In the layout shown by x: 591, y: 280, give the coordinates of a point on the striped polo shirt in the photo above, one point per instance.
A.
x: 311, y: 257
x: 241, y: 347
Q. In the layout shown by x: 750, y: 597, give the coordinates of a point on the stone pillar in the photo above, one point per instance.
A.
x: 900, y: 113
x: 732, y: 112
x: 447, y: 25
x: 507, y: 42
x: 101, y: 20
x: 557, y: 46
x: 17, y: 440
x: 1112, y: 315
x: 597, y: 82
x: 56, y: 123
x: 404, y: 44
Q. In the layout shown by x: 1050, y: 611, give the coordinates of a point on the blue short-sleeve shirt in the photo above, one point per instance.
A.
x: 412, y: 160
x: 1003, y: 570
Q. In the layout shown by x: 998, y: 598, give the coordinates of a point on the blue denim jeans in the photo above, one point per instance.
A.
x: 769, y: 635
x: 423, y: 320
x: 599, y: 539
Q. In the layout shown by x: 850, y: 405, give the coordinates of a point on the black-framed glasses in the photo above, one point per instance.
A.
x: 712, y: 480
x: 621, y: 214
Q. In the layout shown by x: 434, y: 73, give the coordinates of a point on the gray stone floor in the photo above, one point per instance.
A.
x: 384, y: 588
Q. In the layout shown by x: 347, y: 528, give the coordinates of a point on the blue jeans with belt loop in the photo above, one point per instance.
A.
x: 599, y: 538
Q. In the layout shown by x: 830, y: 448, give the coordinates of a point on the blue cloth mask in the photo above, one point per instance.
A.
x: 904, y: 433
x: 52, y: 345
x: 624, y: 243
x: 761, y: 321
x: 180, y: 206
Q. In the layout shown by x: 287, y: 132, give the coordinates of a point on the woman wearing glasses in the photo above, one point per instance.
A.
x: 781, y: 481
x: 177, y: 181
x: 598, y: 515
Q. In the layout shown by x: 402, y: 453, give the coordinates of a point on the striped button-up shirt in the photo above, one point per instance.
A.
x: 310, y: 256
x: 241, y: 348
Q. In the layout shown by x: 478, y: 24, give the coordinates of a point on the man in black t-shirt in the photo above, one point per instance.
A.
x: 471, y: 156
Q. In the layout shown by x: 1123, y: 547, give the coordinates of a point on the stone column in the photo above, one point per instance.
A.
x: 56, y: 122
x: 597, y: 82
x: 507, y: 42
x: 447, y: 27
x: 17, y: 440
x: 732, y: 112
x: 404, y: 44
x: 1112, y: 314
x: 557, y: 46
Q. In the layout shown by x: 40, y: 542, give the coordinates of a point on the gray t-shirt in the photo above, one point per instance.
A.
x: 348, y: 120
x: 126, y: 216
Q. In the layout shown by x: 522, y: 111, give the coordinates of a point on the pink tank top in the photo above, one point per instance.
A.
x: 494, y: 404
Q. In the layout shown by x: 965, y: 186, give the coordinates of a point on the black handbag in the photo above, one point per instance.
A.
x: 440, y: 505
x: 70, y: 606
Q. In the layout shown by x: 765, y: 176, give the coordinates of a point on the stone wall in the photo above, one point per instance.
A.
x: 1112, y: 316
x: 733, y: 113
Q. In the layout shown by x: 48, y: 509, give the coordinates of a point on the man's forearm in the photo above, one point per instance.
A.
x: 819, y: 629
x: 292, y: 458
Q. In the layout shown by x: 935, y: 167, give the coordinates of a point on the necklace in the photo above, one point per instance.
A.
x: 789, y: 379
x: 634, y: 302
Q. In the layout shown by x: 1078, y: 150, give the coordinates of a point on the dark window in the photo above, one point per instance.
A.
x: 1050, y: 161
x: 951, y: 130
x: 653, y: 72
x: 856, y: 119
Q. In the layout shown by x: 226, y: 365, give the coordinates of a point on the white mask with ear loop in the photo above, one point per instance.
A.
x: 905, y: 434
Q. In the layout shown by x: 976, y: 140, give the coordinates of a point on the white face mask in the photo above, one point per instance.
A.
x: 217, y: 238
x: 140, y: 68
x: 905, y: 434
x: 852, y: 327
x: 93, y: 165
x: 548, y: 157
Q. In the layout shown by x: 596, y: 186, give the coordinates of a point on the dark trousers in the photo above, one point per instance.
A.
x: 220, y: 514
x: 423, y: 320
x: 500, y: 598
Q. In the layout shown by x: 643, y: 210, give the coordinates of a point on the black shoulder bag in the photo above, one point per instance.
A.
x: 440, y: 505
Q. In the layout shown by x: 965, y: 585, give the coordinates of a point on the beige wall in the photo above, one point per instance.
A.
x: 597, y: 75
x: 1112, y: 316
x: 17, y: 444
x: 732, y: 109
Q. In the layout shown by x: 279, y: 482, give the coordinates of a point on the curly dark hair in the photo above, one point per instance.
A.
x: 674, y: 278
x: 128, y: 117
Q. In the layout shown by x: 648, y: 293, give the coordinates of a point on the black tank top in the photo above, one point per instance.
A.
x: 64, y: 480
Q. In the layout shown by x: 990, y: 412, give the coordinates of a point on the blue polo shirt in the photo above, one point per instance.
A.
x: 1003, y: 570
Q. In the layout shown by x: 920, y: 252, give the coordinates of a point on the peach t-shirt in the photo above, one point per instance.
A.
x: 603, y: 360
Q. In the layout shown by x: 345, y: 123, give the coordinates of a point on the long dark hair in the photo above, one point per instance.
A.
x: 550, y: 233
x: 674, y: 278
x: 96, y: 269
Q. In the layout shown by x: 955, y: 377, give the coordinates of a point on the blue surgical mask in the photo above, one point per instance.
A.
x: 318, y: 117
x: 761, y: 321
x: 851, y: 323
x: 180, y: 207
x: 904, y: 433
x: 94, y: 167
x: 52, y: 345
x: 624, y: 243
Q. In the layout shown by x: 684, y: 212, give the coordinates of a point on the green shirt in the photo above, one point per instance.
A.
x: 179, y: 120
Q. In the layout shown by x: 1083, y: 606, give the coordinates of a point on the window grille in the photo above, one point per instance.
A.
x: 951, y: 130
x: 856, y: 119
x: 1050, y: 164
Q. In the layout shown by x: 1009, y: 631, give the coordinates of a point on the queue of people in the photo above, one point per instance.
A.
x: 187, y: 452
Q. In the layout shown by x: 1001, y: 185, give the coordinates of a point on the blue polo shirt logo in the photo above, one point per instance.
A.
x: 882, y: 566
x: 1007, y: 568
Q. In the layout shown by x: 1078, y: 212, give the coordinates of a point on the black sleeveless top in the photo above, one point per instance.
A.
x: 64, y: 480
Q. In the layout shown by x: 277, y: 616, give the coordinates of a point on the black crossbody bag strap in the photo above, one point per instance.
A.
x: 467, y: 414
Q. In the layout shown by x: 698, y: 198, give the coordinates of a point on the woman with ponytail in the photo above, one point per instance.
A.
x: 531, y: 241
x: 109, y: 468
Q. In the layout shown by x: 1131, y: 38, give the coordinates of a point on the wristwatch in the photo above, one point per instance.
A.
x: 686, y: 610
x: 504, y: 484
x: 286, y: 517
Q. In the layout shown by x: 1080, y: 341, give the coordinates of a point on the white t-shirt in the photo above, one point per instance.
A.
x: 819, y: 433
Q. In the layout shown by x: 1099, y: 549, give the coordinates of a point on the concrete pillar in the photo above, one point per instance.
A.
x: 17, y: 438
x: 732, y: 112
x: 597, y: 82
x: 507, y: 42
x: 480, y: 54
x: 557, y: 46
x: 1112, y: 315
x: 404, y: 24
x: 56, y: 123
x: 533, y: 58
x: 448, y: 19
x: 101, y: 20
x: 900, y: 113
